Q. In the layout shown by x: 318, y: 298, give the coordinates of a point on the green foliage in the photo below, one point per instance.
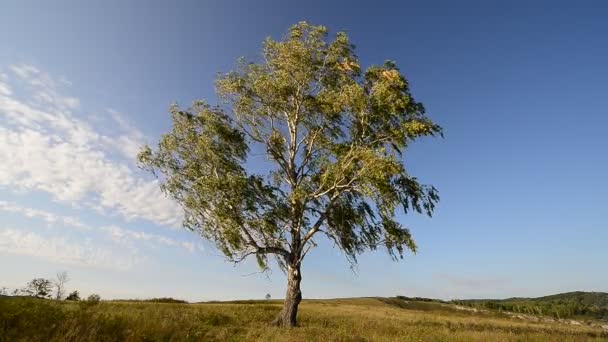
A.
x: 74, y: 296
x: 39, y: 288
x: 586, y: 298
x: 420, y: 299
x: 94, y: 298
x: 564, y: 305
x: 334, y: 138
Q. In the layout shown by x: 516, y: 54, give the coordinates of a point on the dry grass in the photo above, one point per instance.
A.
x: 364, y: 319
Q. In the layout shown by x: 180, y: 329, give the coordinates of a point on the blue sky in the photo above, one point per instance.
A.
x: 519, y: 87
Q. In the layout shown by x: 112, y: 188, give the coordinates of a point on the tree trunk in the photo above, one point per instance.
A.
x: 293, y: 297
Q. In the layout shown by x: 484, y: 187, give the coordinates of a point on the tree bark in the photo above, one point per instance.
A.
x: 288, y: 316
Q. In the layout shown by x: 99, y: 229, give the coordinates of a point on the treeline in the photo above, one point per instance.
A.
x: 154, y: 300
x: 567, y: 305
x: 421, y: 299
x: 43, y: 288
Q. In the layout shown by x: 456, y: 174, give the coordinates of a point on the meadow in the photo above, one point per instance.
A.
x: 357, y: 319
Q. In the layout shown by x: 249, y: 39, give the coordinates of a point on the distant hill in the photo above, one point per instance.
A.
x: 589, y: 298
x: 562, y: 305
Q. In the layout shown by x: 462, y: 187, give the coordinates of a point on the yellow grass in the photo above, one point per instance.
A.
x: 363, y: 319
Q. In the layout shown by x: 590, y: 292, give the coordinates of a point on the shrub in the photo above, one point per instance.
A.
x: 94, y: 298
x: 73, y: 296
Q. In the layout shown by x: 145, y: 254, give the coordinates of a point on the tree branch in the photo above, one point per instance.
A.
x: 317, y: 226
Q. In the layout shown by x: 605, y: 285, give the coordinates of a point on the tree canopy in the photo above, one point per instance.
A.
x: 39, y: 288
x: 334, y: 139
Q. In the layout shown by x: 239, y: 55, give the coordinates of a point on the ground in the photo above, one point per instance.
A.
x: 360, y: 319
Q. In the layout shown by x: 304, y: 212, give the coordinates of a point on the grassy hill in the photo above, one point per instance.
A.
x: 579, y: 305
x: 587, y: 298
x: 354, y: 319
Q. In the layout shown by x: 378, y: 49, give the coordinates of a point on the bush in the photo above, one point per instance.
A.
x: 94, y: 298
x: 73, y: 296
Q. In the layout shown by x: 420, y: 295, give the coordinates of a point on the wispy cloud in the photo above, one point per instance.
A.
x: 129, y: 140
x: 4, y: 88
x: 118, y: 235
x: 62, y: 250
x: 126, y: 237
x: 47, y: 216
x: 43, y: 87
x: 45, y: 147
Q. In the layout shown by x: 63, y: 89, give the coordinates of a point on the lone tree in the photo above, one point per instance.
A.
x: 333, y: 137
x: 39, y: 288
x: 60, y: 281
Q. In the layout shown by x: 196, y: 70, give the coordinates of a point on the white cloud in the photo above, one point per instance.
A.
x: 45, y: 147
x: 69, y: 251
x: 43, y: 88
x: 130, y: 141
x: 124, y: 236
x: 61, y: 250
x: 4, y: 88
x: 24, y: 71
x: 48, y: 217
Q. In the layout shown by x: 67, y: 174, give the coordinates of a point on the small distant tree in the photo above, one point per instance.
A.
x: 60, y: 281
x: 73, y: 296
x: 333, y: 137
x: 267, y: 296
x: 39, y: 288
x: 94, y: 298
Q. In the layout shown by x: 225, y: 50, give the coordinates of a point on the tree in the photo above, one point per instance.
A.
x: 39, y: 288
x: 94, y: 298
x: 333, y: 137
x: 267, y: 296
x: 75, y: 296
x: 60, y: 281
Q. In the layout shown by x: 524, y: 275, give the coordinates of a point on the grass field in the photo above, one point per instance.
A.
x: 361, y: 319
